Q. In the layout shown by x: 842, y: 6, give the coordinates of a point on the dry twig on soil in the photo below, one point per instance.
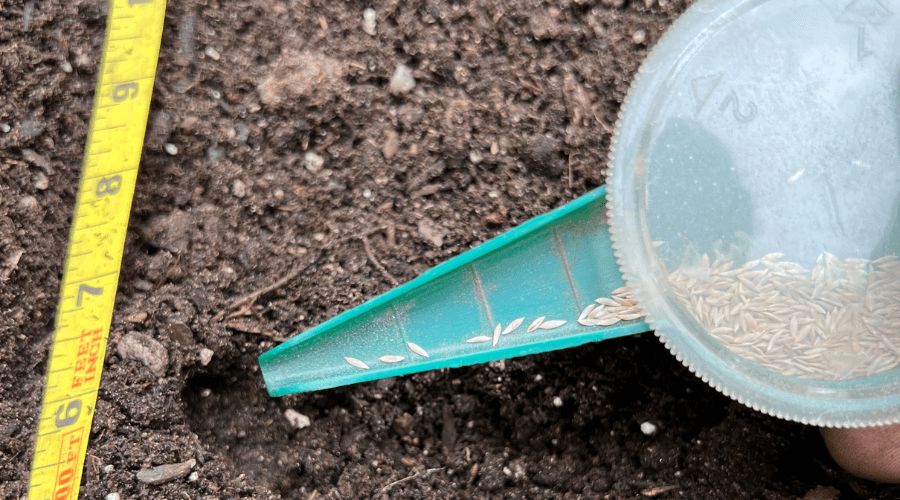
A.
x: 262, y: 291
x: 378, y: 265
x: 405, y: 479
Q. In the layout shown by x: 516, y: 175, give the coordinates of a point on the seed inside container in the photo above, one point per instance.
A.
x: 835, y: 321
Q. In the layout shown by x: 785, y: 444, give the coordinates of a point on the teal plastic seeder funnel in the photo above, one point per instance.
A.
x: 552, y: 266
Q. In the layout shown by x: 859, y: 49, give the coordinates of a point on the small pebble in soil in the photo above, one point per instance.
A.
x: 538, y: 377
x: 369, y: 21
x: 211, y: 53
x: 82, y: 61
x: 138, y: 317
x: 66, y: 66
x: 37, y: 159
x: 206, y: 355
x: 31, y: 128
x: 108, y: 468
x: 648, y: 429
x: 367, y: 193
x: 145, y: 349
x: 313, y: 162
x: 112, y: 496
x: 557, y: 401
x: 41, y: 182
x: 171, y: 148
x: 5, y: 128
x: 639, y: 36
x: 238, y: 188
x: 296, y: 419
x: 29, y: 203
x: 179, y: 332
x: 205, y: 393
x: 243, y: 132
x: 194, y: 476
x: 165, y: 473
x: 402, y: 80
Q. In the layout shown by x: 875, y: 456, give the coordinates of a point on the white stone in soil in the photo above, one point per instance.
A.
x: 296, y: 419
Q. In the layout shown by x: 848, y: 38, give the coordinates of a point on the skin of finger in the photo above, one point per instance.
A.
x: 870, y: 453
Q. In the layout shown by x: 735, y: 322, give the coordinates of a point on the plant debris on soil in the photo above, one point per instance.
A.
x: 337, y: 151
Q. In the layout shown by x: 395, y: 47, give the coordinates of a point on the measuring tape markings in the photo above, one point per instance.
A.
x: 96, y: 243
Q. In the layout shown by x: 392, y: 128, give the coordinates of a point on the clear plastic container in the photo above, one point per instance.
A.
x: 754, y: 199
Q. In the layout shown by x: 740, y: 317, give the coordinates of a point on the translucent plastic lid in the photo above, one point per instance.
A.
x: 754, y: 199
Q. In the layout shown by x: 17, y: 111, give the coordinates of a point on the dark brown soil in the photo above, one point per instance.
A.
x: 510, y: 117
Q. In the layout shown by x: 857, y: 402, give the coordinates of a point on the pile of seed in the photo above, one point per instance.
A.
x: 609, y: 311
x: 604, y: 312
x: 839, y: 320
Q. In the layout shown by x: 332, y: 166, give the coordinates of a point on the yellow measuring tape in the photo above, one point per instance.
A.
x: 96, y: 242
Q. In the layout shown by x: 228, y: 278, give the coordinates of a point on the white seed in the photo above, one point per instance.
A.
x: 357, y: 363
x: 587, y: 311
x: 416, y: 349
x: 629, y: 317
x: 391, y: 359
x: 512, y: 326
x: 497, y: 330
x: 557, y: 401
x: 608, y: 321
x: 171, y: 148
x: 550, y: 325
x: 622, y: 290
x: 479, y: 339
x: 535, y: 324
x: 603, y: 301
x: 830, y: 322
